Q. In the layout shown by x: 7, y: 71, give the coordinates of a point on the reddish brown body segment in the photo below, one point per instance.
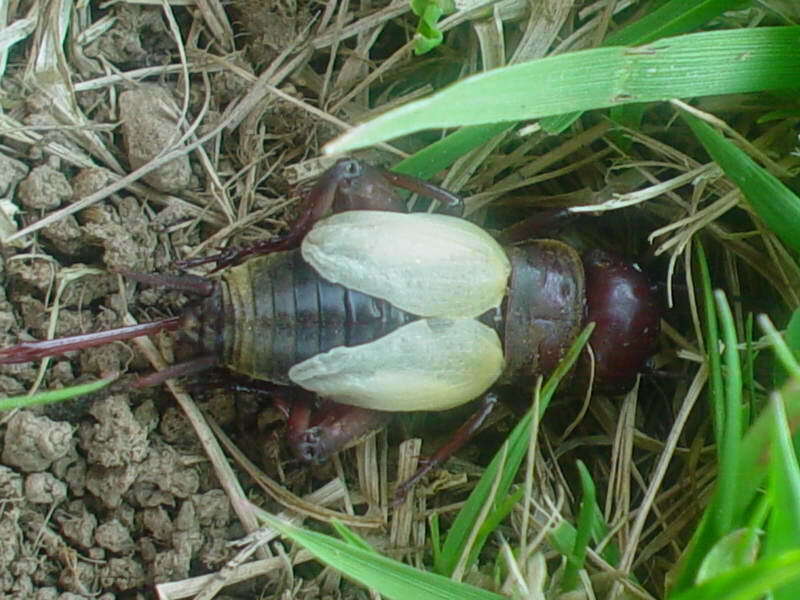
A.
x: 624, y: 306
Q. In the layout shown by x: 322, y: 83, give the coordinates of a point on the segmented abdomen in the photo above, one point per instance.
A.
x: 279, y: 312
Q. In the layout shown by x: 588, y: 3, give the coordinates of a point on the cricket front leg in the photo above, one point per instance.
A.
x: 348, y: 185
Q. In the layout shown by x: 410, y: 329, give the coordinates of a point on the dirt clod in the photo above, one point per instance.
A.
x: 114, y: 537
x: 34, y: 274
x: 65, y: 235
x: 163, y: 477
x: 149, y: 125
x: 78, y: 524
x: 108, y: 484
x: 117, y: 439
x: 12, y: 172
x: 176, y: 429
x: 88, y: 181
x: 212, y: 508
x: 122, y: 574
x: 137, y: 35
x: 44, y: 488
x: 10, y: 496
x: 124, y: 234
x: 169, y: 566
x: 50, y: 593
x: 32, y: 443
x: 44, y: 188
x: 75, y: 477
x: 157, y: 523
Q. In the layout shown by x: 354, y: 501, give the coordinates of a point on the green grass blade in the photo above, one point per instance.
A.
x: 783, y: 530
x: 700, y: 64
x: 727, y: 484
x: 775, y: 203
x: 737, y: 549
x: 712, y: 340
x: 757, y: 445
x: 586, y: 525
x: 351, y: 537
x: 711, y: 526
x: 563, y: 536
x: 749, y: 372
x: 435, y: 537
x: 510, y: 457
x: 673, y: 18
x: 787, y: 352
x: 747, y: 583
x: 428, y: 33
x: 600, y: 531
x: 53, y: 396
x: 441, y: 154
x: 716, y: 394
x: 390, y: 578
x: 751, y: 472
x: 494, y: 517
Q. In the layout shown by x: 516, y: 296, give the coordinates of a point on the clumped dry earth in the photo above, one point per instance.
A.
x: 136, y: 135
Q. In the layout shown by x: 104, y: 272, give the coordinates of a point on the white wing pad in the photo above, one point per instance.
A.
x: 430, y: 364
x: 429, y: 265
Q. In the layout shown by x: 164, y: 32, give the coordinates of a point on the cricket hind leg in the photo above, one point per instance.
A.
x: 457, y: 440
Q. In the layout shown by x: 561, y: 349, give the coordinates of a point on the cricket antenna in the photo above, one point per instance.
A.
x: 28, y: 351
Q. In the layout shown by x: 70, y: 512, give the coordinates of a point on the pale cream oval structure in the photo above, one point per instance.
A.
x: 430, y: 364
x: 426, y: 264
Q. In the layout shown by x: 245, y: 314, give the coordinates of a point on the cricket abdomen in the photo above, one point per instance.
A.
x: 279, y: 312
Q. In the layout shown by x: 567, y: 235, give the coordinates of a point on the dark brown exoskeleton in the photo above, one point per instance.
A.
x: 378, y: 311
